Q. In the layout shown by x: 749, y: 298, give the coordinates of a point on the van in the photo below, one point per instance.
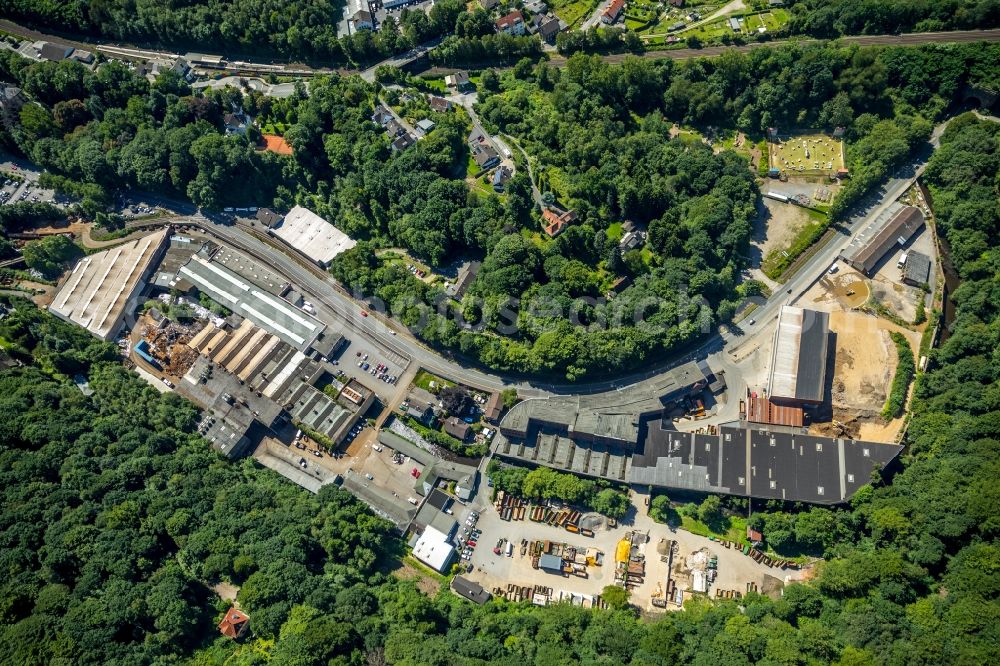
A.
x: 510, y: 549
x: 902, y: 261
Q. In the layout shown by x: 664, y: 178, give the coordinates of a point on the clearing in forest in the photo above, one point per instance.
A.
x: 806, y: 154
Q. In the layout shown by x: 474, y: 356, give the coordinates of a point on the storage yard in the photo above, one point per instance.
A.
x: 552, y: 558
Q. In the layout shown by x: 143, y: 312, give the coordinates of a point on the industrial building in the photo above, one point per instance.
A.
x: 917, y: 269
x: 103, y: 287
x: 896, y: 233
x: 250, y: 361
x: 759, y: 461
x: 292, y: 325
x: 589, y: 435
x: 311, y: 235
x: 798, y: 361
x: 466, y: 477
x: 434, y: 549
x: 627, y: 437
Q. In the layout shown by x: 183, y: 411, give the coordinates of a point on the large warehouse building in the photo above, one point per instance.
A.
x: 313, y: 236
x: 105, y: 286
x: 760, y: 461
x: 292, y: 325
x: 896, y: 233
x: 798, y: 361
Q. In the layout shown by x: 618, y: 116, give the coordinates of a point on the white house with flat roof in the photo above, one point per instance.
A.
x: 434, y: 549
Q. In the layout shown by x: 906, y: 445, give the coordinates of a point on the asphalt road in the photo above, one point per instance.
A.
x: 718, y: 349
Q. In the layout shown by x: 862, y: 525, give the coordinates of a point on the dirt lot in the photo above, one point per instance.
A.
x: 843, y: 290
x: 864, y: 365
x: 776, y: 225
x: 425, y: 583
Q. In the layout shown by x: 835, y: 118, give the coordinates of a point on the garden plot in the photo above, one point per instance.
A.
x: 806, y: 154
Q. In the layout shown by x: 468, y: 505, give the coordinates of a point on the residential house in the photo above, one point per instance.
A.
x: 12, y: 100
x: 488, y: 4
x: 511, y: 24
x: 182, y: 68
x: 459, y: 81
x: 734, y: 23
x: 613, y: 12
x: 632, y: 240
x: 382, y: 115
x: 236, y: 123
x: 394, y: 129
x: 554, y: 225
x: 500, y: 178
x: 363, y: 20
x: 234, y: 624
x: 419, y: 410
x: 618, y: 286
x: 81, y: 56
x: 548, y: 27
x: 677, y: 3
x: 775, y: 4
x: 457, y: 428
x: 268, y: 217
x: 438, y: 104
x: 424, y: 126
x: 466, y: 276
x: 493, y: 408
x: 536, y: 7
x: 51, y: 51
x: 403, y: 142
x: 485, y: 156
x: 556, y: 221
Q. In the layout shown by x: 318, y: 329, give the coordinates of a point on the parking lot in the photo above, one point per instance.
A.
x: 19, y: 183
x: 388, y: 366
x: 382, y: 468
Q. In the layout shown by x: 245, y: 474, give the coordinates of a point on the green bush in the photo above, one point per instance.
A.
x: 905, y: 369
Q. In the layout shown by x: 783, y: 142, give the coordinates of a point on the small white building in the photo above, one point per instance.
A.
x: 434, y: 550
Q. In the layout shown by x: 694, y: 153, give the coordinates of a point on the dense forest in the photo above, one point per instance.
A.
x: 308, y: 30
x: 286, y: 29
x: 539, y: 305
x: 833, y: 18
x: 116, y: 519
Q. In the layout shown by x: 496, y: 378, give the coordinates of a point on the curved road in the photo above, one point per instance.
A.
x: 725, y: 349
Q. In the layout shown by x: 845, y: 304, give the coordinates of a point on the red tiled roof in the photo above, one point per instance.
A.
x: 234, y: 623
x: 513, y: 18
x: 615, y: 8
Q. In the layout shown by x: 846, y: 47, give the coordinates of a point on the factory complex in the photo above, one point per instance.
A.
x: 629, y: 436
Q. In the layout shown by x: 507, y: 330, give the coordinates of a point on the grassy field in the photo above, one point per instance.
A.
x: 424, y: 379
x: 573, y: 11
x: 806, y: 153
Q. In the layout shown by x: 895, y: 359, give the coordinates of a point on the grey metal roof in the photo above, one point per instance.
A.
x: 550, y: 562
x: 917, y: 269
x: 759, y: 462
x: 798, y: 360
x: 249, y: 300
x: 471, y: 590
x: 897, y: 232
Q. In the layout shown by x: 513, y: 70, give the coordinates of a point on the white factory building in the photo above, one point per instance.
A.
x: 103, y: 287
x: 434, y: 549
x: 313, y: 236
